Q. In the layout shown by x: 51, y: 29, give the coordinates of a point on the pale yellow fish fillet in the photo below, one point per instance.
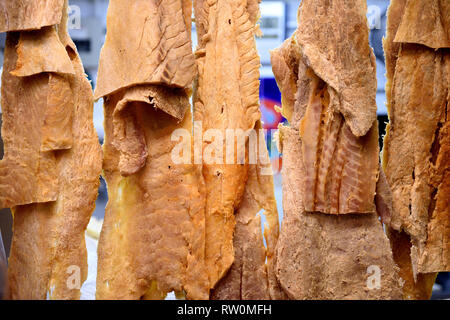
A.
x: 226, y: 97
x: 415, y: 155
x: 425, y: 22
x: 156, y: 31
x: 48, y: 258
x: 153, y: 237
x: 16, y: 15
x: 252, y: 276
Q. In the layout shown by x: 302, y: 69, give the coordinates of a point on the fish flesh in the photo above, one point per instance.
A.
x: 331, y: 242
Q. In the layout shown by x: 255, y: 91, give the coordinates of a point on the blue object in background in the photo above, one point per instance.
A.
x: 270, y: 97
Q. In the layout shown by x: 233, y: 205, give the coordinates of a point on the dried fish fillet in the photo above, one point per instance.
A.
x: 48, y: 254
x: 323, y: 256
x: 27, y: 174
x: 157, y: 31
x: 418, y: 70
x: 29, y: 14
x: 320, y: 255
x: 250, y: 277
x: 425, y: 22
x: 153, y: 236
x: 58, y: 116
x: 323, y: 35
x: 252, y: 274
x: 39, y: 66
x: 415, y: 155
x: 226, y: 97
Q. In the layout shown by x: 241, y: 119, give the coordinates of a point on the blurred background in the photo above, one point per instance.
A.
x: 87, y: 23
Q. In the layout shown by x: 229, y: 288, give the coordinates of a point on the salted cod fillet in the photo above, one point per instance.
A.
x: 153, y: 236
x: 338, y: 126
x: 416, y: 146
x: 321, y: 255
x: 48, y: 258
x: 226, y: 98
